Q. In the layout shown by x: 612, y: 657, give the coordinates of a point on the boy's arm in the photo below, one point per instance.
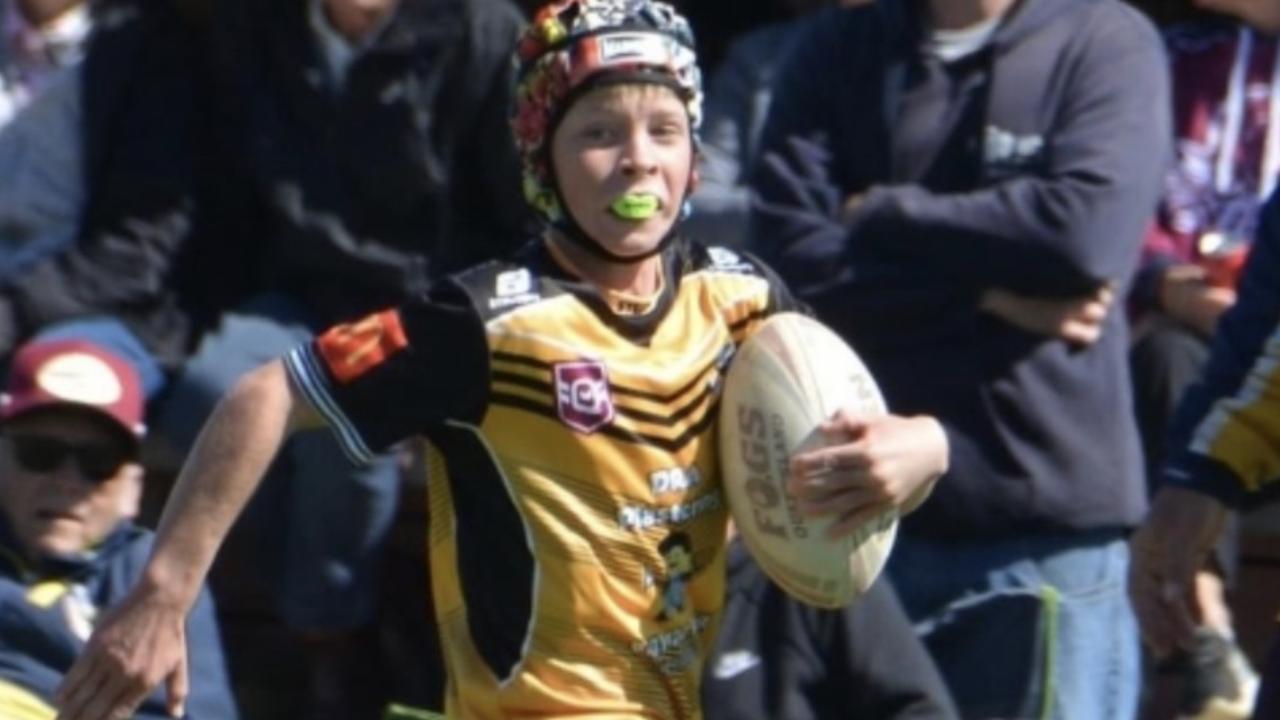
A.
x: 142, y: 641
x: 375, y: 381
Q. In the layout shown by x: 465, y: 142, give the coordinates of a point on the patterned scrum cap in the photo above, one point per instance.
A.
x: 572, y: 41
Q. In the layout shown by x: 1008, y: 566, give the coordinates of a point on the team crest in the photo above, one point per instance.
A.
x: 583, y: 401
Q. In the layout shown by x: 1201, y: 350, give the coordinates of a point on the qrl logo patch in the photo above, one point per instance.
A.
x: 583, y: 401
x: 353, y: 349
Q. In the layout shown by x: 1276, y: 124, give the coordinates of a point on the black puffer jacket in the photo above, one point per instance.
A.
x: 349, y: 200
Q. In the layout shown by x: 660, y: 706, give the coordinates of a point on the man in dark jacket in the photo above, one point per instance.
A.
x: 364, y: 149
x: 962, y: 200
x: 119, y: 154
x: 775, y: 657
x: 70, y: 424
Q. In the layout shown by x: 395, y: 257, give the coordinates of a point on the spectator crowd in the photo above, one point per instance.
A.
x: 1048, y: 227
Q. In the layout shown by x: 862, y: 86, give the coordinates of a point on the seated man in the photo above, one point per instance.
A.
x: 71, y: 420
x: 42, y: 43
x: 38, y: 38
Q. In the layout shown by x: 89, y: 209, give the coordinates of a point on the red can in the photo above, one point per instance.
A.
x: 1222, y: 258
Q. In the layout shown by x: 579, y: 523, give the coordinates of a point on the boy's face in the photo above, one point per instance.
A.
x: 61, y: 503
x: 628, y: 143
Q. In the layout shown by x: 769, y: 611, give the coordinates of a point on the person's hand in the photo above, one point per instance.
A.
x: 868, y: 466
x: 1261, y: 15
x: 1187, y: 298
x: 1166, y: 552
x: 1077, y: 321
x: 136, y: 646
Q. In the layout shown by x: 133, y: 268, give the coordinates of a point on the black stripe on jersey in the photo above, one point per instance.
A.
x: 499, y: 356
x: 720, y: 362
x: 523, y: 403
x: 674, y: 444
x: 672, y: 419
x: 524, y: 381
x: 545, y: 386
x: 669, y: 419
x: 744, y: 322
x: 538, y: 408
x: 637, y: 329
x: 496, y: 566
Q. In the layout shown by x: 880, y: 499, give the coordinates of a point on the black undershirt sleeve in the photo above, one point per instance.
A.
x: 397, y: 373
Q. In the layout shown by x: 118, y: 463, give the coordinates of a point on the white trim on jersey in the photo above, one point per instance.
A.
x: 310, y: 379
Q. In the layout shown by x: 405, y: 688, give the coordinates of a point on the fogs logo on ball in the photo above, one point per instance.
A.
x: 582, y: 395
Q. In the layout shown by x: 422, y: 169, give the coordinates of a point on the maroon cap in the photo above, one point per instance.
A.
x: 74, y: 373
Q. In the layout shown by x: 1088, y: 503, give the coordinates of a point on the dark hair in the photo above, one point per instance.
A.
x: 674, y: 540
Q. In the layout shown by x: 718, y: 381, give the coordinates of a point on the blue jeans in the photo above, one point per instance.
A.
x: 1031, y: 627
x: 329, y: 518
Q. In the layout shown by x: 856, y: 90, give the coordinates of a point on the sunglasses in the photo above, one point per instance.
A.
x: 98, y: 462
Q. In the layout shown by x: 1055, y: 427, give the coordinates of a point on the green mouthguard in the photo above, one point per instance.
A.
x: 636, y: 206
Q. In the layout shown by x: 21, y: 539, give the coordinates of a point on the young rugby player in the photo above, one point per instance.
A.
x: 568, y: 402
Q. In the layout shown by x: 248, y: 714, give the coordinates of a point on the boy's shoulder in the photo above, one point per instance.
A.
x: 703, y: 257
x: 730, y: 272
x: 497, y: 287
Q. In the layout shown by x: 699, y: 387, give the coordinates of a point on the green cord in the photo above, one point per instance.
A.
x: 403, y: 712
x: 1052, y: 601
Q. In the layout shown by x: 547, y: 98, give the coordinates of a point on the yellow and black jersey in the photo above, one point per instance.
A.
x: 576, y: 516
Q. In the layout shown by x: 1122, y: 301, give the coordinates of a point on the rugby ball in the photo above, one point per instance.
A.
x: 787, y: 378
